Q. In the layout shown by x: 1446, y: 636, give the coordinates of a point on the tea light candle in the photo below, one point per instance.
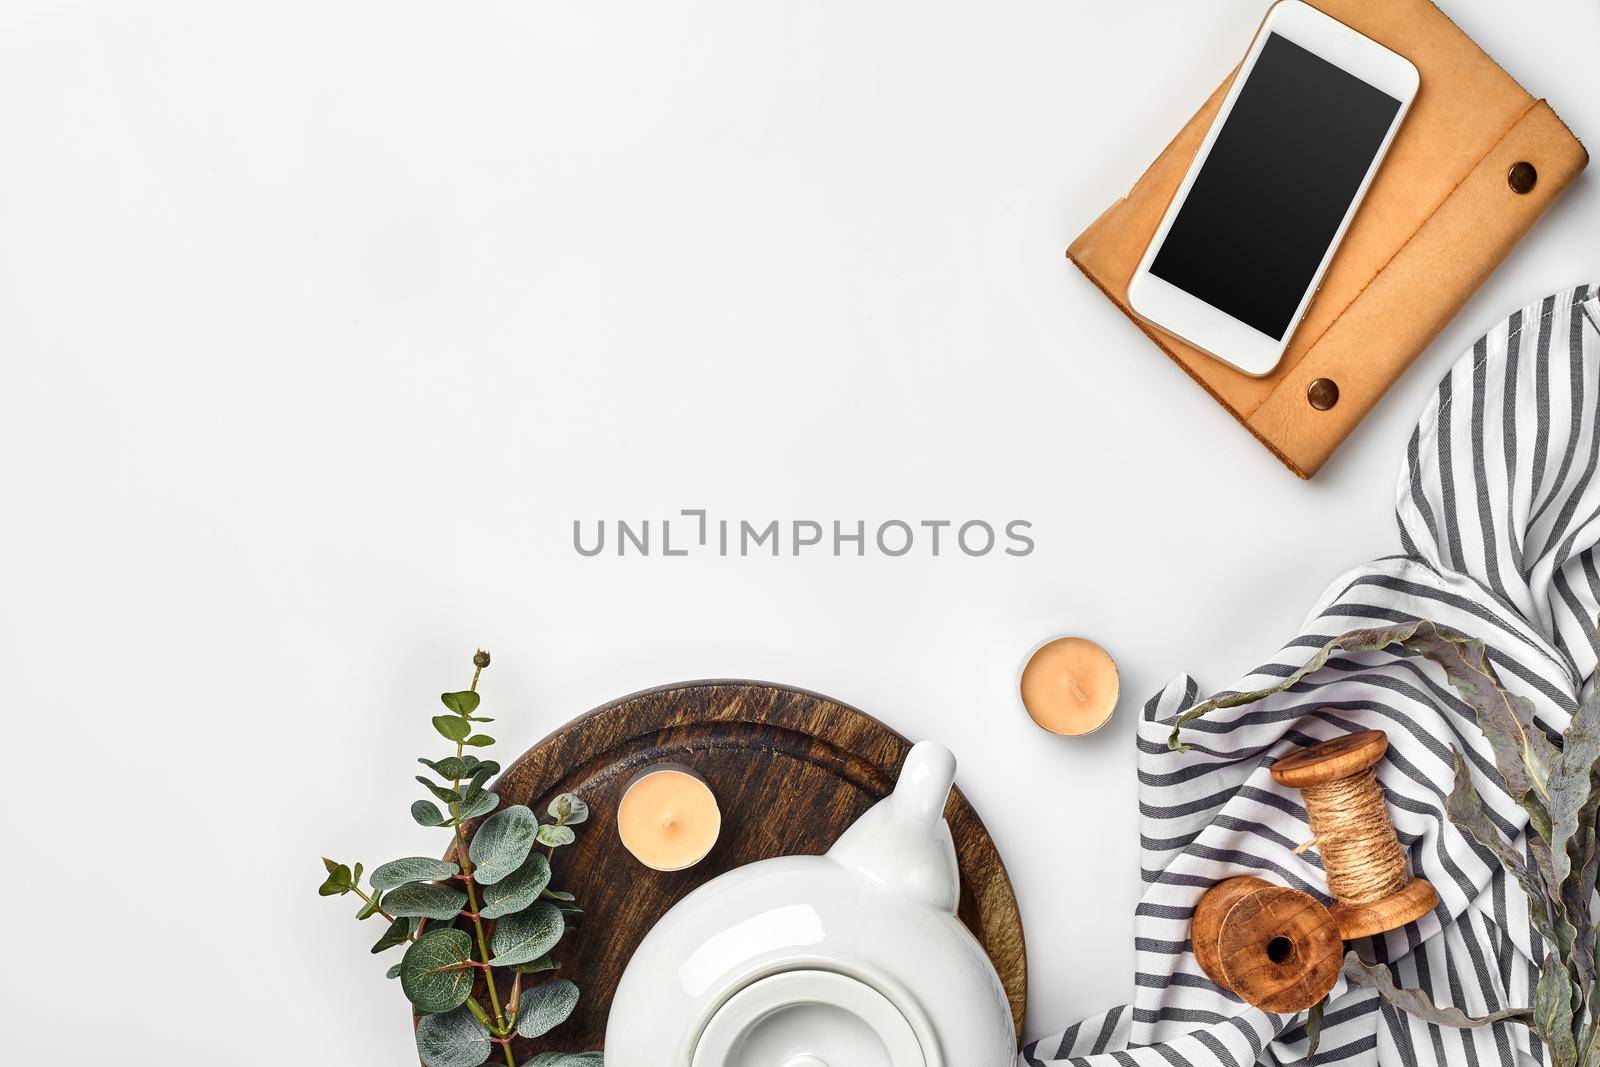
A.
x: 1070, y: 686
x: 669, y: 818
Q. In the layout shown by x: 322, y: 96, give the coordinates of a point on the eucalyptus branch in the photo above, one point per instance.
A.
x: 504, y: 879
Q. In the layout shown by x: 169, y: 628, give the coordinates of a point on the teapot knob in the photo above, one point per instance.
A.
x: 925, y: 781
x: 903, y: 843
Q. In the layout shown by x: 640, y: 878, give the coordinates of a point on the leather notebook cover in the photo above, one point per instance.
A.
x: 1440, y: 216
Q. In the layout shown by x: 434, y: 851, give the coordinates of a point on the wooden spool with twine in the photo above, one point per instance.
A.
x: 1276, y: 948
x: 1361, y: 855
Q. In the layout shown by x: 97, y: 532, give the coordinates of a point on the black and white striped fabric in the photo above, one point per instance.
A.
x: 1499, y: 518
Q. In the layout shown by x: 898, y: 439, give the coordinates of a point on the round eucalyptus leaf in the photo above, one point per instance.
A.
x: 463, y: 703
x: 502, y: 843
x: 449, y: 796
x: 569, y: 809
x: 481, y: 804
x: 545, y: 1007
x: 450, y: 768
x: 527, y: 935
x: 555, y: 836
x: 369, y: 907
x: 566, y: 1059
x: 427, y: 813
x: 426, y: 901
x: 520, y: 889
x: 454, y: 1039
x: 478, y: 741
x: 452, y: 727
x: 436, y: 973
x: 392, y: 972
x: 397, y: 873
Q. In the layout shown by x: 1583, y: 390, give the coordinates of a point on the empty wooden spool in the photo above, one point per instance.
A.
x: 1276, y: 948
x: 1382, y: 903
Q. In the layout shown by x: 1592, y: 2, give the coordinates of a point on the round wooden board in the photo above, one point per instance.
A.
x: 791, y: 770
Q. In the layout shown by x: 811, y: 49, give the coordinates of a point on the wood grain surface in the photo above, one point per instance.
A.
x: 1277, y: 948
x: 791, y: 770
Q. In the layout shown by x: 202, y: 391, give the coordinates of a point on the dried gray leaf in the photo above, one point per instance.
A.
x: 1578, y: 890
x: 1314, y: 1028
x: 1552, y: 1012
x: 1465, y: 808
x: 1377, y: 977
x: 1571, y: 785
x: 1370, y: 640
x: 1522, y: 753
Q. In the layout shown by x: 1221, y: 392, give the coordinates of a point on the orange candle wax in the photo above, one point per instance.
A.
x: 1070, y: 686
x: 669, y: 818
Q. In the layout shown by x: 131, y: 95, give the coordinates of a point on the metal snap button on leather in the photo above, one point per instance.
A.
x: 1322, y: 393
x: 1522, y: 177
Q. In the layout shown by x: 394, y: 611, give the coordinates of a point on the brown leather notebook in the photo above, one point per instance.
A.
x: 1475, y: 165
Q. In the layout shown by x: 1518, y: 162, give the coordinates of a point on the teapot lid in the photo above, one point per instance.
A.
x: 809, y: 1018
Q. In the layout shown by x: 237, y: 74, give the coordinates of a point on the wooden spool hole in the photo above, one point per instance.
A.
x: 1276, y: 948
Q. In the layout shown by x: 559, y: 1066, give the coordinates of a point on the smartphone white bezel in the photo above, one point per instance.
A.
x: 1203, y: 325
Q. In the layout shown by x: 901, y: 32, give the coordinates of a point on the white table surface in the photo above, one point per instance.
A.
x: 322, y: 321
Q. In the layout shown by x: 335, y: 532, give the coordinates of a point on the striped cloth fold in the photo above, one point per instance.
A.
x: 1498, y: 508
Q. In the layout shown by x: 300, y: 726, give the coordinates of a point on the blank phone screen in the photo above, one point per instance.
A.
x: 1269, y: 199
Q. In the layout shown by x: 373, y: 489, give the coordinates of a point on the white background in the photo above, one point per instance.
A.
x: 322, y: 322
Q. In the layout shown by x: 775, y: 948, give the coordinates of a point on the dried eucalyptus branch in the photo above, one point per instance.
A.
x: 516, y: 919
x: 1559, y: 788
x: 1377, y: 977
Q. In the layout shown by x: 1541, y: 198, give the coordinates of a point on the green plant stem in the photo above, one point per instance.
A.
x: 472, y: 902
x: 379, y: 911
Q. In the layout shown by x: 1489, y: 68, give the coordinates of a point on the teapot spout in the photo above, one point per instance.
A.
x: 903, y: 842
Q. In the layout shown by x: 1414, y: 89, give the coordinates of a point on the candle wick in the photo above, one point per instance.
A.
x: 1077, y: 691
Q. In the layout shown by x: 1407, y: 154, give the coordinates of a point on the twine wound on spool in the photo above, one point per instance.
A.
x: 1361, y: 854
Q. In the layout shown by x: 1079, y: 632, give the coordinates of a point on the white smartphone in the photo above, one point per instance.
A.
x: 1244, y: 244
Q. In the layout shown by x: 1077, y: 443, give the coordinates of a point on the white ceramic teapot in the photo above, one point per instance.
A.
x: 852, y: 959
